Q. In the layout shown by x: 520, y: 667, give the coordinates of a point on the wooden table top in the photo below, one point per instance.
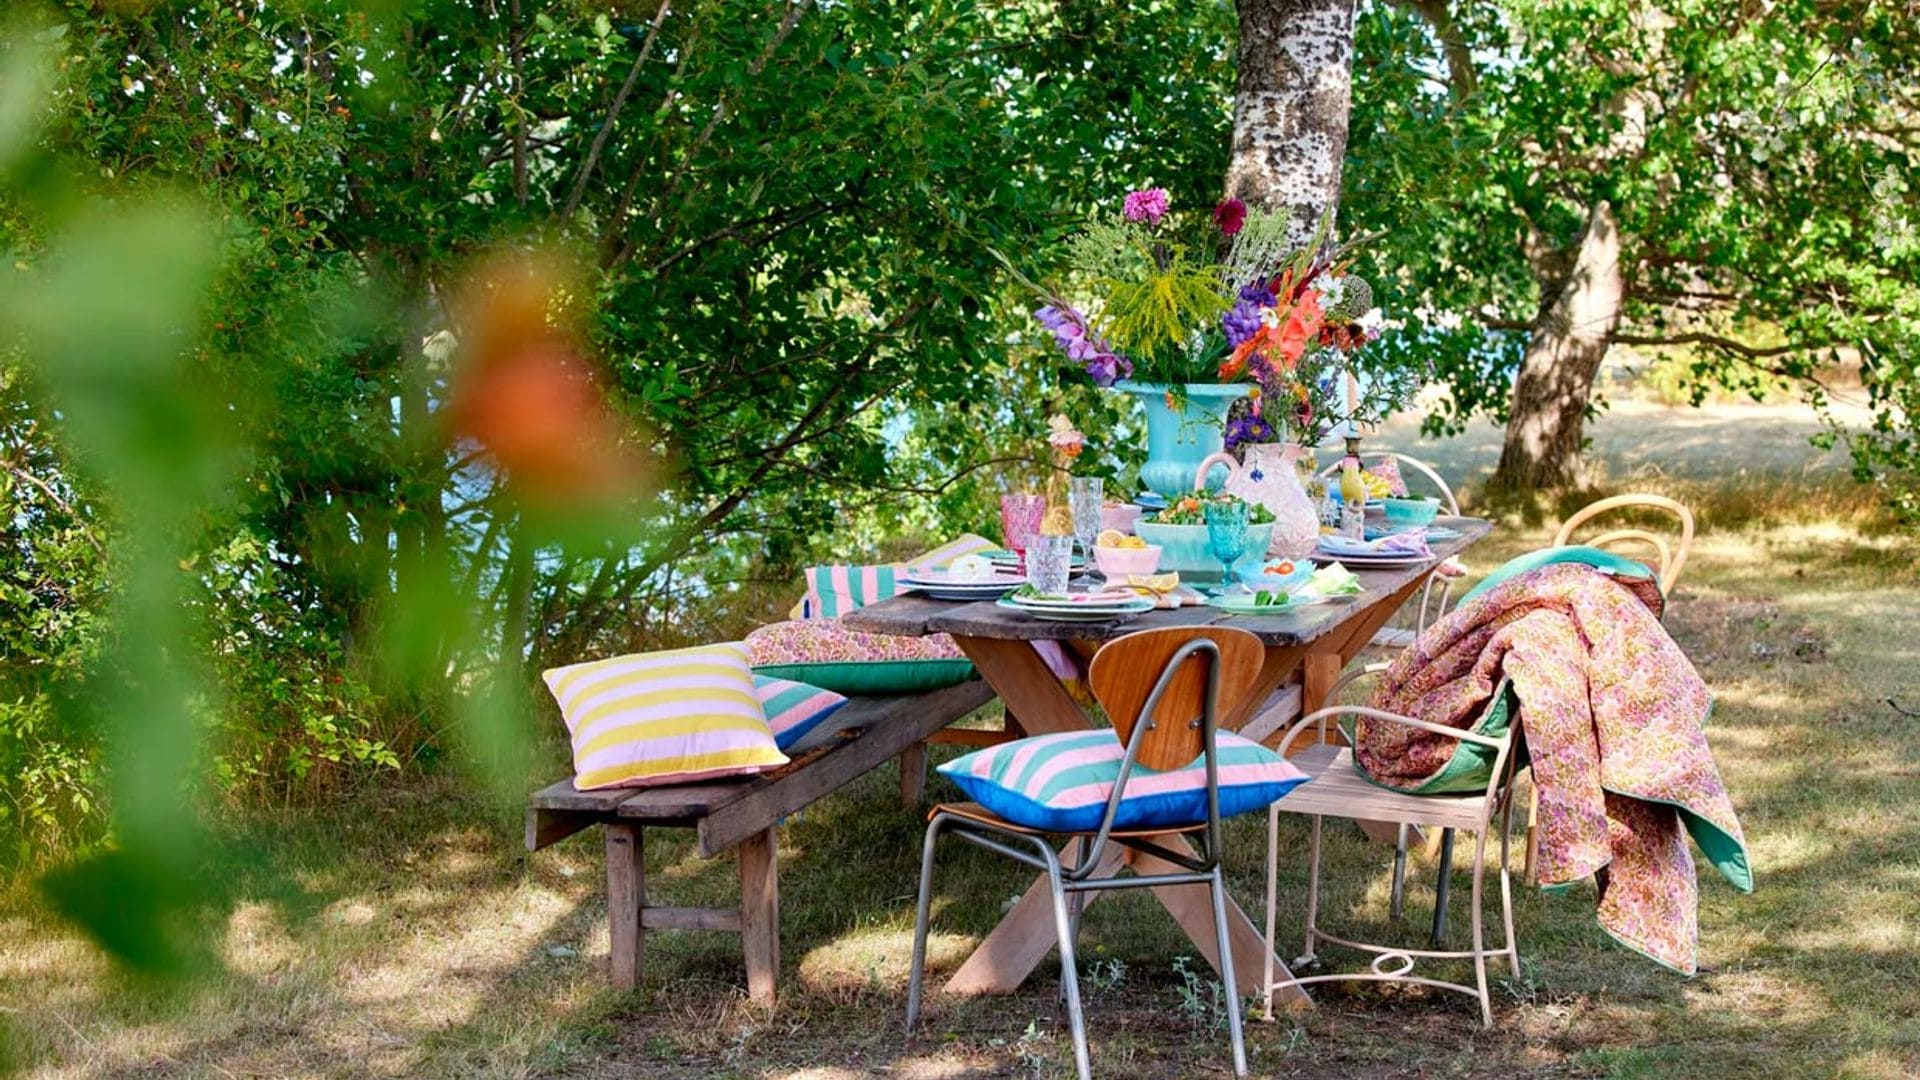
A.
x: 912, y: 615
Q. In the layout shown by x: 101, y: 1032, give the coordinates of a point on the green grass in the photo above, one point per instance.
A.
x: 405, y: 933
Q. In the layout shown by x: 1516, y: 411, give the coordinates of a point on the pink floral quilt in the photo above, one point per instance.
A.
x: 1614, y: 720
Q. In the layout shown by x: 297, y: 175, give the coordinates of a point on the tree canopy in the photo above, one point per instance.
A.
x: 243, y: 549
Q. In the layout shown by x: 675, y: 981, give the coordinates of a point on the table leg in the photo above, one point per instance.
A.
x: 1024, y: 937
x: 1193, y: 910
x: 1019, y: 676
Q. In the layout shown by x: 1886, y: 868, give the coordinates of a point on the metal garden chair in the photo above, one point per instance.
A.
x: 1339, y: 790
x: 1671, y: 560
x: 1165, y: 691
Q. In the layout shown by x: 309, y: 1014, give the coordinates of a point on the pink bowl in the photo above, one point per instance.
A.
x: 1121, y: 517
x: 1119, y: 562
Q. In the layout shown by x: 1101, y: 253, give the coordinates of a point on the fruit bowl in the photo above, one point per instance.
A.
x: 1187, y: 549
x: 1119, y: 562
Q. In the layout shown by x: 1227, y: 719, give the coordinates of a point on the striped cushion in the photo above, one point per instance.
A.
x: 794, y: 708
x: 1061, y: 782
x: 833, y: 591
x: 665, y: 717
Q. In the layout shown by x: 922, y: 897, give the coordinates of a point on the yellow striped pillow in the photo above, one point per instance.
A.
x: 664, y: 717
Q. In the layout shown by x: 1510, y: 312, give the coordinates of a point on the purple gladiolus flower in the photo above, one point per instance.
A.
x: 1243, y: 318
x: 1148, y: 205
x: 1071, y: 334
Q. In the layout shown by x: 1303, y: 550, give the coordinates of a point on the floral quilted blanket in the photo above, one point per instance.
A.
x: 1613, y: 717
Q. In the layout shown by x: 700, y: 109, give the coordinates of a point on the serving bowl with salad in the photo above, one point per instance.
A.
x: 1180, y: 531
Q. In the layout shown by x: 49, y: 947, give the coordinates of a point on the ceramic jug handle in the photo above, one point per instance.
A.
x: 1206, y: 466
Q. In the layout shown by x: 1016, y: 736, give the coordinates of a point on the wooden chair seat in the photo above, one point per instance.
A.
x: 1338, y: 790
x: 973, y: 811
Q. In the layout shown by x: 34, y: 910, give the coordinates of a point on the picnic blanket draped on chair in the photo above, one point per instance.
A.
x: 1613, y: 718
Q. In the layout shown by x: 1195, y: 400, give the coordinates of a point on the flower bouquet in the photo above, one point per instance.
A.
x: 1201, y: 317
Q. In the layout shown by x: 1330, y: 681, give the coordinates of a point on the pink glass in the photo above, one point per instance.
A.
x: 1020, y: 518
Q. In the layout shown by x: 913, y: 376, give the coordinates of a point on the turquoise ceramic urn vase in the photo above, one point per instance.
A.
x: 1183, y: 434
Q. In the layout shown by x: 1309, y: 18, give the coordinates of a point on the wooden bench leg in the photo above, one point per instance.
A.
x: 913, y: 775
x: 626, y: 895
x: 760, y: 913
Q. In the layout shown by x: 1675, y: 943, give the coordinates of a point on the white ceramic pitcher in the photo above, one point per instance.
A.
x: 1268, y: 477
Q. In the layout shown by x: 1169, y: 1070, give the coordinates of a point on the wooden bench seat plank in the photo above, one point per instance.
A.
x: 893, y: 725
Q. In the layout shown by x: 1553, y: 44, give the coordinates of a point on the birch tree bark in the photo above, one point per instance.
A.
x: 1290, y: 107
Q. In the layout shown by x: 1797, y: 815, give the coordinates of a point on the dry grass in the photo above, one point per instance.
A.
x: 405, y: 934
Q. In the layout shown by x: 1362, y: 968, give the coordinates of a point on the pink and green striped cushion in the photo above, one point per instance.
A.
x: 794, y: 708
x: 832, y: 591
x: 664, y: 717
x: 1061, y: 782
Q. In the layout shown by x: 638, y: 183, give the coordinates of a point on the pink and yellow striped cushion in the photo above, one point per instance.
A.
x: 665, y: 717
x: 1061, y: 782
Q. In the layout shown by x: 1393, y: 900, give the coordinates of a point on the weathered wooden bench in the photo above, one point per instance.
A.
x: 742, y: 813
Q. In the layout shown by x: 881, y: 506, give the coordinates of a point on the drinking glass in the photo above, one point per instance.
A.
x: 1049, y: 562
x: 1020, y: 517
x: 1085, y: 496
x: 1227, y: 524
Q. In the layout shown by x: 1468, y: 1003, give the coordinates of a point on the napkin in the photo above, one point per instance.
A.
x: 1407, y: 543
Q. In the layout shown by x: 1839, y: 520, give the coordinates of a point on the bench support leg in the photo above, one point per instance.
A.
x: 913, y: 775
x: 626, y: 895
x: 760, y: 913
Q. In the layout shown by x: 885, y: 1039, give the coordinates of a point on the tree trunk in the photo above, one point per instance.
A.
x: 1570, y: 337
x: 1290, y: 108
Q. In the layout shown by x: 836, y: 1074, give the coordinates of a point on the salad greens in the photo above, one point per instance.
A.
x: 1192, y: 510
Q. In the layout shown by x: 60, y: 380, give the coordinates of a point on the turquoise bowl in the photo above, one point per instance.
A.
x: 1185, y: 548
x: 1411, y: 511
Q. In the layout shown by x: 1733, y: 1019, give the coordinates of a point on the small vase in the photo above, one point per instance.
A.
x: 1178, y: 440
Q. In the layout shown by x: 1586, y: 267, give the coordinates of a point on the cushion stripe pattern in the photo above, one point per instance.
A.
x: 794, y: 708
x: 665, y: 717
x: 832, y: 591
x: 1061, y: 782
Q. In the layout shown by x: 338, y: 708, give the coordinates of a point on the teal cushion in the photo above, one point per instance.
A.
x: 1575, y: 553
x: 870, y: 677
x: 1061, y: 782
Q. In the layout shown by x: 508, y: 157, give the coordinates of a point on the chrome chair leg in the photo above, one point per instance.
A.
x: 1069, y: 974
x: 1506, y: 887
x: 922, y: 911
x: 1230, y: 985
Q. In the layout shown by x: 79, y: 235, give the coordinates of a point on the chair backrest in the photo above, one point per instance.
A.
x: 1447, y: 498
x: 1671, y: 559
x: 1126, y: 669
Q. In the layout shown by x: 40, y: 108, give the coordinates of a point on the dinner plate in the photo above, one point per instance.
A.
x: 1242, y: 603
x: 1083, y: 613
x: 1378, y: 563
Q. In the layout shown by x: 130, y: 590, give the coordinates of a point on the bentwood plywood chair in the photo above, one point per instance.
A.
x: 1165, y: 691
x: 1339, y: 790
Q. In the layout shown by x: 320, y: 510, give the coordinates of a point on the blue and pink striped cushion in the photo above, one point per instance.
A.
x: 794, y: 708
x: 1061, y: 782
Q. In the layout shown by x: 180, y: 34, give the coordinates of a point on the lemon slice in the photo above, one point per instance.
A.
x: 1159, y: 583
x: 1132, y: 543
x: 1110, y: 538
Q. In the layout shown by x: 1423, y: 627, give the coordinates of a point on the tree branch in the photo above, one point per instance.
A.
x: 613, y: 113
